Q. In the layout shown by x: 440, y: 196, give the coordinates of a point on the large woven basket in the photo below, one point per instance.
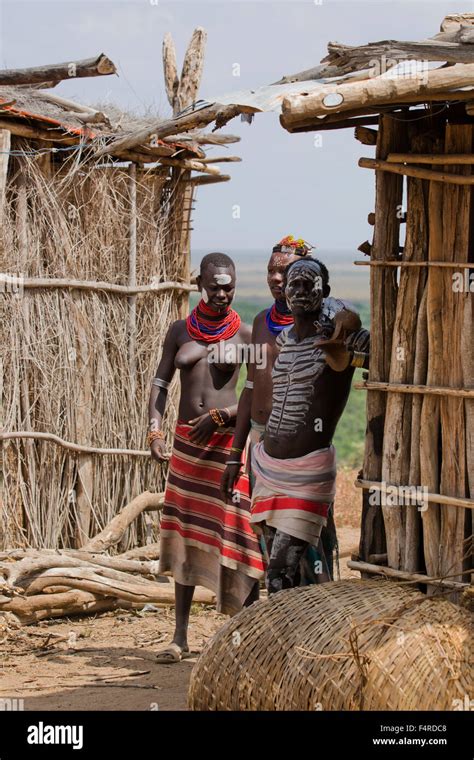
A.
x: 350, y: 645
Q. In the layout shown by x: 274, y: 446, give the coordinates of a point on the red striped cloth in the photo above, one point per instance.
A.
x: 204, y: 541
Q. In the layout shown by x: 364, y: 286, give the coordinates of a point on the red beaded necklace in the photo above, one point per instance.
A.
x: 205, y: 324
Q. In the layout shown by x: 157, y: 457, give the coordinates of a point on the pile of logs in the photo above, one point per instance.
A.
x: 45, y: 583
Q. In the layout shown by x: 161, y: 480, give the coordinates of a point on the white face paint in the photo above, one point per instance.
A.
x: 204, y: 295
x: 223, y: 279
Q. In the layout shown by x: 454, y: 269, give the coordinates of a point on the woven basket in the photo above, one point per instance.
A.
x: 350, y: 645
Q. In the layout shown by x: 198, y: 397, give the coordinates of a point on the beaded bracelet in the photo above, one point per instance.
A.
x: 229, y: 461
x: 217, y: 417
x: 153, y: 435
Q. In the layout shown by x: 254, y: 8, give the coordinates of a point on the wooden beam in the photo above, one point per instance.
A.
x: 89, y: 67
x: 445, y: 159
x: 416, y: 389
x: 202, y: 139
x: 334, y: 98
x: 350, y: 58
x: 191, y: 73
x: 204, y: 179
x: 389, y: 572
x: 13, y: 283
x: 366, y: 136
x: 4, y: 160
x: 414, y: 171
x: 190, y: 164
x: 220, y: 159
x: 435, y: 498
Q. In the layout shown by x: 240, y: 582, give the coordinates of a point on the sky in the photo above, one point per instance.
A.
x: 285, y: 184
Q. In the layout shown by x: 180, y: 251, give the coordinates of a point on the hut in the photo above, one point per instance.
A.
x: 94, y: 256
x: 414, y: 103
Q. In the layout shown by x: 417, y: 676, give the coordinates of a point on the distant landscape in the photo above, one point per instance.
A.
x: 348, y: 282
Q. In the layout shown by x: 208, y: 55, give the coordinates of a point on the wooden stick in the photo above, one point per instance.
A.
x: 414, y: 171
x: 188, y: 163
x: 4, y: 435
x: 9, y: 282
x: 391, y: 137
x: 435, y: 498
x: 202, y: 138
x: 114, y: 531
x: 350, y: 58
x: 4, y: 159
x: 446, y: 159
x: 205, y: 180
x: 457, y: 208
x: 89, y: 67
x: 442, y: 264
x: 132, y: 275
x: 220, y: 159
x: 366, y: 567
x: 421, y: 389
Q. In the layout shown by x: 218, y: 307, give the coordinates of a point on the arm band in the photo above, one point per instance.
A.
x: 249, y: 384
x: 160, y: 383
x: 358, y: 359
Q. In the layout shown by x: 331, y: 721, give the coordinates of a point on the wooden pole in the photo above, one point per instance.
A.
x: 366, y: 567
x: 5, y: 140
x: 52, y: 73
x: 446, y: 159
x: 383, y: 295
x: 397, y: 432
x: 415, y: 171
x: 457, y: 209
x: 132, y: 276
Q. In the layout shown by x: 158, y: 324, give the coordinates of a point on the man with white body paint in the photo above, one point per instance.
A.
x: 295, y: 463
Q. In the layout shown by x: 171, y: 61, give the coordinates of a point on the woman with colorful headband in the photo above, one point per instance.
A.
x: 203, y: 540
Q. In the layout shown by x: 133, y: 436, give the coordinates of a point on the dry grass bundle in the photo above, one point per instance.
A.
x: 350, y: 645
x: 65, y: 352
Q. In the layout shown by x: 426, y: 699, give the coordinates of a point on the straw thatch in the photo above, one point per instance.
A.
x: 350, y: 645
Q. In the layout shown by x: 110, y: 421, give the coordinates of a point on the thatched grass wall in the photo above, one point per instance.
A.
x: 65, y: 352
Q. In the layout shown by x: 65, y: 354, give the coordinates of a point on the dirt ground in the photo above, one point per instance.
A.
x: 106, y: 662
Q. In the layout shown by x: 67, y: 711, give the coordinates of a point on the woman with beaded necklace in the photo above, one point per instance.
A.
x: 203, y: 540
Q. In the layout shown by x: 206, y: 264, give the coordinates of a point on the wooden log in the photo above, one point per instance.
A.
x: 415, y: 171
x: 446, y: 159
x: 383, y: 294
x: 206, y: 180
x: 377, y: 91
x: 148, y: 552
x: 413, y: 558
x: 365, y: 135
x: 400, y: 263
x: 115, y: 530
x: 457, y: 207
x: 89, y: 67
x: 83, y: 381
x: 430, y: 411
x: 193, y: 64
x: 349, y: 58
x: 4, y: 160
x: 365, y: 248
x: 35, y: 608
x: 202, y: 138
x: 170, y: 71
x: 389, y: 572
x: 397, y: 432
x: 108, y: 287
x: 187, y: 163
x: 467, y: 354
x: 132, y: 276
x: 220, y: 159
x: 29, y: 434
x: 415, y: 389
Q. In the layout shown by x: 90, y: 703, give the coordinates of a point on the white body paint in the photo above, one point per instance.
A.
x: 223, y: 279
